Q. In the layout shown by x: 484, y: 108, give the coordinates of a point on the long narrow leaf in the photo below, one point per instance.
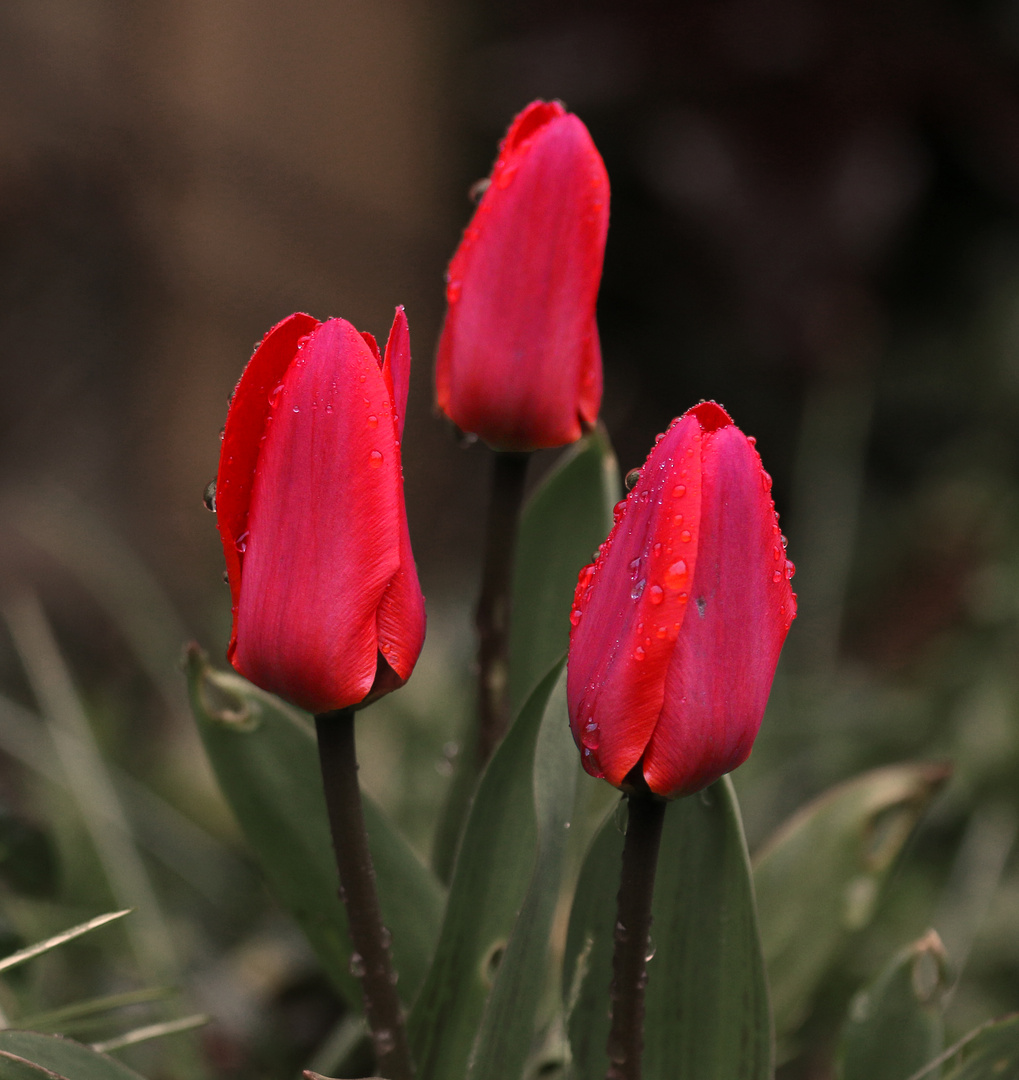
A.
x: 53, y: 1055
x: 265, y: 759
x: 565, y: 519
x: 819, y: 880
x: 506, y: 1030
x: 707, y: 1013
x: 490, y: 883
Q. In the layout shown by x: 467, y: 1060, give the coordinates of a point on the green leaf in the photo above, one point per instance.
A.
x: 819, y: 879
x: 40, y: 947
x: 990, y: 1052
x: 265, y: 758
x: 492, y: 882
x: 507, y: 1026
x: 895, y: 1024
x: 565, y: 519
x: 27, y: 1055
x: 707, y: 1010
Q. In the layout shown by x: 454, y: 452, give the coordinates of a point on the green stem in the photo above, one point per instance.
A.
x: 371, y: 959
x: 646, y: 814
x: 493, y: 613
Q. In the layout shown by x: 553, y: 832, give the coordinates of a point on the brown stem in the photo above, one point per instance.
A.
x: 493, y: 614
x: 371, y: 959
x: 646, y: 815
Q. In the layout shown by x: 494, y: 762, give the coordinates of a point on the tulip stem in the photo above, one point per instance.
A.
x: 492, y: 619
x: 371, y: 960
x: 646, y: 815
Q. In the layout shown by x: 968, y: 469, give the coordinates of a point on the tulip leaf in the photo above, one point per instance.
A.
x: 265, y: 758
x: 895, y: 1025
x: 562, y: 524
x: 991, y: 1052
x: 819, y: 879
x: 28, y: 1055
x: 496, y: 878
x: 506, y: 1031
x: 707, y: 1009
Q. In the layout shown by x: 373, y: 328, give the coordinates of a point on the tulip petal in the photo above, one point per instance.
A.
x: 397, y: 366
x: 589, y: 389
x: 246, y: 423
x: 741, y: 608
x: 630, y: 612
x: 516, y: 343
x: 324, y: 527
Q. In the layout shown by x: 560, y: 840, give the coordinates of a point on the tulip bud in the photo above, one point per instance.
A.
x: 678, y: 624
x: 519, y: 358
x: 327, y: 610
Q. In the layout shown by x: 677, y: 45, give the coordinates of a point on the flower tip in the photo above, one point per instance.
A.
x: 711, y: 416
x: 531, y: 119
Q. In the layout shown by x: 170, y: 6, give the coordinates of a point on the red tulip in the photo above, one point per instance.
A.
x: 678, y: 624
x: 519, y: 359
x: 327, y: 610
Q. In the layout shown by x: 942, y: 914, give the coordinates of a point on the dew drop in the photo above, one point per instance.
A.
x: 685, y: 536
x: 765, y: 480
x: 677, y: 519
x: 631, y: 479
x: 329, y: 408
x: 635, y: 566
x: 751, y: 440
x: 656, y: 594
x: 657, y: 549
x: 675, y: 576
x: 679, y: 491
x: 361, y: 378
x: 209, y: 495
x: 776, y: 554
x: 638, y: 653
x: 790, y: 569
x: 242, y: 542
x: 777, y: 576
x: 297, y: 408
x: 637, y: 591
x: 590, y: 737
x: 274, y: 395
x: 373, y: 421
x: 575, y: 616
x: 661, y: 632
x: 375, y: 459
x: 453, y: 290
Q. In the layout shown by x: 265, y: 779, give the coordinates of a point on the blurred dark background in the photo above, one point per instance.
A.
x: 815, y: 221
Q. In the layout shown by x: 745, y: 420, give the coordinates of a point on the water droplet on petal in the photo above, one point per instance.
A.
x: 675, y: 576
x: 777, y: 576
x: 373, y: 421
x: 631, y: 479
x: 242, y: 542
x: 679, y: 491
x: 297, y: 408
x: 575, y: 616
x: 453, y: 290
x: 209, y: 495
x: 375, y: 459
x: 638, y: 653
x: 637, y: 590
x: 274, y: 395
x: 656, y: 594
x: 686, y: 536
x: 765, y: 480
